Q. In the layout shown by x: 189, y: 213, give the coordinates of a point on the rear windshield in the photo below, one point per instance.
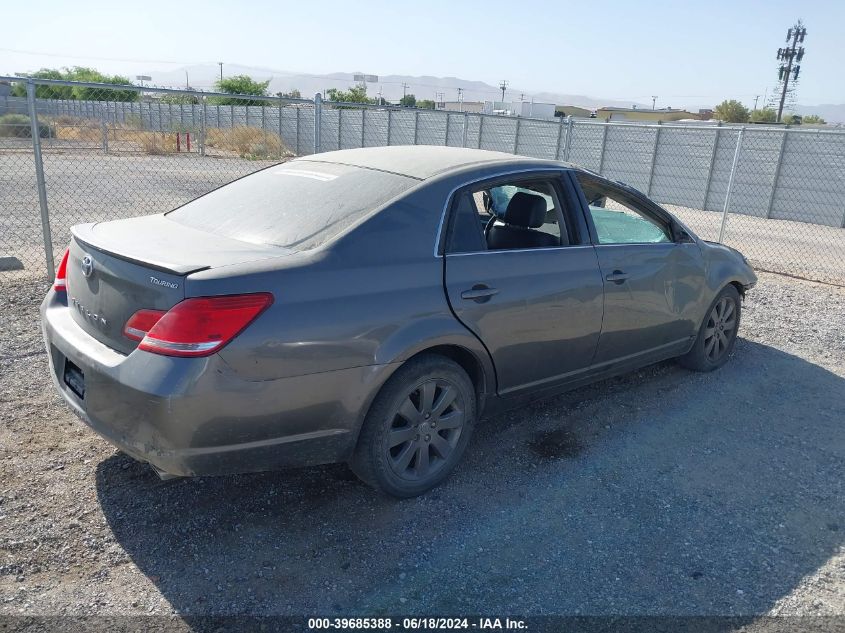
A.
x: 298, y: 205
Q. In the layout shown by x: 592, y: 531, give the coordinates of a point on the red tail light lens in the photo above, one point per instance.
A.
x: 60, y: 282
x: 201, y: 326
x: 140, y: 323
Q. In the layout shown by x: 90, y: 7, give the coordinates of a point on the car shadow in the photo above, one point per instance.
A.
x: 659, y: 492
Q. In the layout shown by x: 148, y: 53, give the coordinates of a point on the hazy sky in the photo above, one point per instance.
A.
x: 686, y: 53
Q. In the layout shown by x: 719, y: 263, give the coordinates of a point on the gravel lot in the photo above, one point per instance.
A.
x: 661, y: 492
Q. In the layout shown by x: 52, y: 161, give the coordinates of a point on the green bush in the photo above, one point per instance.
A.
x: 17, y: 126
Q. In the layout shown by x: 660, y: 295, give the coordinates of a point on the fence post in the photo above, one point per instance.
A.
x: 603, y: 146
x: 568, y: 147
x: 363, y: 124
x: 480, y: 129
x: 389, y: 112
x: 318, y: 114
x: 281, y: 138
x: 39, y: 179
x: 654, y: 157
x: 516, y: 136
x: 712, y: 164
x: 203, y: 125
x: 559, y: 138
x: 776, y: 176
x: 730, y: 186
x: 417, y: 126
x: 264, y: 127
x: 465, y: 131
x: 339, y: 123
x: 297, y: 129
x: 105, y: 129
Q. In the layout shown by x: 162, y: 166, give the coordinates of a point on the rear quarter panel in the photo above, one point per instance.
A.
x: 373, y: 297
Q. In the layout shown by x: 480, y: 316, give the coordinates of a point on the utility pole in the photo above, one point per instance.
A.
x: 755, y: 102
x: 503, y: 86
x: 653, y: 101
x: 460, y: 99
x: 792, y: 53
x: 221, y: 70
x: 404, y: 90
x: 187, y: 83
x: 438, y: 98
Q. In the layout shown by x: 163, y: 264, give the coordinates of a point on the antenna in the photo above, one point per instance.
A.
x: 503, y: 86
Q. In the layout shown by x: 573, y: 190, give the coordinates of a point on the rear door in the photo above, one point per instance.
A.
x: 538, y: 310
x: 652, y: 282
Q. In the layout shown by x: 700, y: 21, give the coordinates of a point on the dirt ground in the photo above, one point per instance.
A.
x: 662, y: 492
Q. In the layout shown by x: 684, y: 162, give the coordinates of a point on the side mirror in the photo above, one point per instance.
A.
x: 681, y: 235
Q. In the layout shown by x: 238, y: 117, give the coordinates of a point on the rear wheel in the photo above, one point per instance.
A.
x: 717, y: 335
x: 418, y: 427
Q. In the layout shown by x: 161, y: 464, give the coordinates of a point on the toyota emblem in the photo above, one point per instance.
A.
x: 87, y: 266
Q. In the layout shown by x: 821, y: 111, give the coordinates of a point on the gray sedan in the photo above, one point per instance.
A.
x: 366, y: 306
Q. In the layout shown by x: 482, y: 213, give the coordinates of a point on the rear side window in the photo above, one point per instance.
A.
x: 298, y: 205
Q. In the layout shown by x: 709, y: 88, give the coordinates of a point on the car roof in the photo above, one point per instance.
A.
x: 422, y: 161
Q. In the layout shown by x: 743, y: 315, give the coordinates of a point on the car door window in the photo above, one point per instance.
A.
x: 620, y: 220
x: 508, y: 215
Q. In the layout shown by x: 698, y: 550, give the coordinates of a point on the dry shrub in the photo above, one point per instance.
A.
x: 149, y: 142
x: 72, y: 129
x: 246, y: 142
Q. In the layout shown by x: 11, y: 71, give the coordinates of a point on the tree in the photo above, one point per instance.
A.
x: 764, y: 115
x: 240, y: 85
x: 425, y: 104
x: 356, y: 94
x: 82, y: 93
x: 408, y: 101
x: 179, y: 99
x: 731, y: 112
x: 814, y: 119
x: 792, y: 119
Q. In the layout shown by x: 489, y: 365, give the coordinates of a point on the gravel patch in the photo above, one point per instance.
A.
x: 659, y: 492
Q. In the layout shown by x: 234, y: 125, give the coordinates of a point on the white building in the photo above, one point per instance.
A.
x: 528, y: 109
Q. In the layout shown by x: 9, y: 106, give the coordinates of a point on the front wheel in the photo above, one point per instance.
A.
x: 417, y: 428
x: 717, y: 335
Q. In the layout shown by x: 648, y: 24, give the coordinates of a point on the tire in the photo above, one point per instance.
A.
x: 717, y: 334
x: 402, y: 452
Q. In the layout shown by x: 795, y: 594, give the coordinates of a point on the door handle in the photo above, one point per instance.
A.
x: 617, y: 276
x: 479, y: 293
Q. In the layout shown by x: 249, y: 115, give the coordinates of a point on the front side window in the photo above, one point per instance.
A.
x: 618, y: 218
x: 518, y: 214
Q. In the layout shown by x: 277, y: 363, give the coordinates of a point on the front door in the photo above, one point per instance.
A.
x: 649, y: 279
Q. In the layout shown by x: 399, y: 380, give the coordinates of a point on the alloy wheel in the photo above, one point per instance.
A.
x: 425, y: 429
x: 720, y: 330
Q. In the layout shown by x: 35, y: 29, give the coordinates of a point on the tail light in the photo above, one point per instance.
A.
x: 199, y: 326
x: 60, y: 282
x: 140, y: 323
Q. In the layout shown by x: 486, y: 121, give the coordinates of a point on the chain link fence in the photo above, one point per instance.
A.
x: 72, y: 152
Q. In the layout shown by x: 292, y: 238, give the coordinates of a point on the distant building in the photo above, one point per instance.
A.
x: 644, y: 114
x: 528, y: 109
x: 570, y: 110
x: 461, y: 106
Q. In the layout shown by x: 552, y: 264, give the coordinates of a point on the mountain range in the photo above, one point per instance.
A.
x: 203, y: 76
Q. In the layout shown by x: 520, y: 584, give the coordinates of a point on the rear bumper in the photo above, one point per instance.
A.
x: 196, y: 416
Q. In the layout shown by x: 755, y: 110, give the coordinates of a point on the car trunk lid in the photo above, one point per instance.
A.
x: 117, y: 268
